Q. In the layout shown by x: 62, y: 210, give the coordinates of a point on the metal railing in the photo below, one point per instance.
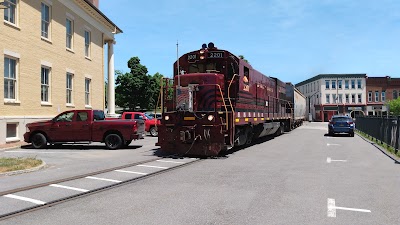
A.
x: 384, y: 129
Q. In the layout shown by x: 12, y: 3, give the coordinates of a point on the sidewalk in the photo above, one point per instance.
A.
x: 12, y: 145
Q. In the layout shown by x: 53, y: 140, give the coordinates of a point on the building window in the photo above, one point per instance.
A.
x: 340, y: 84
x: 359, y: 98
x: 70, y: 31
x: 87, y: 43
x: 327, y: 84
x: 376, y: 96
x: 340, y: 98
x: 347, y: 98
x: 70, y: 78
x: 45, y: 20
x: 353, y: 84
x: 359, y: 84
x: 334, y: 84
x: 353, y: 98
x: 383, y: 96
x: 45, y: 84
x: 370, y: 96
x: 346, y: 84
x: 395, y: 94
x: 11, y: 11
x: 334, y: 99
x: 328, y: 98
x: 12, y: 130
x: 10, y: 78
x: 87, y: 91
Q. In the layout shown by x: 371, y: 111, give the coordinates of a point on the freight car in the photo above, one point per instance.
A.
x: 298, y: 100
x: 216, y: 101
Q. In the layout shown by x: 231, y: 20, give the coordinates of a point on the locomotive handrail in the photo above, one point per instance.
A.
x: 229, y: 96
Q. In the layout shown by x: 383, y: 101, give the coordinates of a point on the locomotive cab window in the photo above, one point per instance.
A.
x: 246, y: 79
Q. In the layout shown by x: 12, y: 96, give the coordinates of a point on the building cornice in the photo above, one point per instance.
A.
x: 332, y: 76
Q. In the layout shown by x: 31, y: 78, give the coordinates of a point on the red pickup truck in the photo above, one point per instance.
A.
x: 150, y: 122
x: 84, y: 126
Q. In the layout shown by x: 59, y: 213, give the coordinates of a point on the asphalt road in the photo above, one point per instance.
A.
x: 301, y: 177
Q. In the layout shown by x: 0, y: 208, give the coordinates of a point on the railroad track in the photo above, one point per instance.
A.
x: 27, y: 199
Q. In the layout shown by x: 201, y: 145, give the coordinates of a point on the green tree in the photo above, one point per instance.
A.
x: 137, y: 88
x: 394, y: 107
x: 242, y: 57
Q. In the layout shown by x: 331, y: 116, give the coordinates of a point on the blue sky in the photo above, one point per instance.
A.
x: 289, y: 39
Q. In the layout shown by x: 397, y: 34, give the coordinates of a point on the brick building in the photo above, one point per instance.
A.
x: 53, y: 55
x: 380, y: 90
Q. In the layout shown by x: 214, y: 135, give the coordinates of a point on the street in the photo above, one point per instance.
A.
x: 300, y: 177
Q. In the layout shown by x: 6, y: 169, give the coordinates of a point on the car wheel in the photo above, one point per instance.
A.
x: 113, y: 141
x: 153, y: 131
x: 39, y: 141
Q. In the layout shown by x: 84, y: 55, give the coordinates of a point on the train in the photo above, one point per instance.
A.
x: 217, y: 101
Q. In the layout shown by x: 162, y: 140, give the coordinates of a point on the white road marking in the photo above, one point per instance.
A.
x: 329, y: 160
x: 104, y: 179
x: 127, y: 171
x: 332, y: 144
x: 168, y: 161
x: 159, y: 167
x: 68, y: 187
x: 332, y: 208
x: 35, y: 152
x: 38, y: 202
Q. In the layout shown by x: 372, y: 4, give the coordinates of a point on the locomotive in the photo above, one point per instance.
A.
x: 217, y: 101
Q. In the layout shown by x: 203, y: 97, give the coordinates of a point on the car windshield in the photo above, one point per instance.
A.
x: 342, y: 119
x: 149, y: 116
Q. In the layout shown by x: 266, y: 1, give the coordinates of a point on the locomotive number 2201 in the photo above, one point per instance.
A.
x: 216, y: 55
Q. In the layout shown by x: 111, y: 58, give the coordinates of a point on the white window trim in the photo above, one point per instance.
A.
x: 89, y: 55
x: 70, y: 104
x: 48, y: 103
x: 16, y: 138
x: 49, y: 3
x: 16, y: 99
x: 16, y: 24
x: 72, y: 33
x: 90, y: 85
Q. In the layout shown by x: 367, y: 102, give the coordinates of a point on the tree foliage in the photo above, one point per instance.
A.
x: 394, y: 107
x: 242, y: 57
x: 137, y: 88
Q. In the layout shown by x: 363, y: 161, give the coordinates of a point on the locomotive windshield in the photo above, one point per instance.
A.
x: 205, y: 68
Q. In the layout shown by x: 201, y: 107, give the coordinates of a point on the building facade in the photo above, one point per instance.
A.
x: 53, y: 55
x: 331, y: 94
x: 380, y: 90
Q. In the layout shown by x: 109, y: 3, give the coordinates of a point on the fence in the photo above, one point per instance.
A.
x: 384, y: 129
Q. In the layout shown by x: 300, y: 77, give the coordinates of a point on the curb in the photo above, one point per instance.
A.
x: 13, y: 147
x: 11, y: 173
x: 395, y: 158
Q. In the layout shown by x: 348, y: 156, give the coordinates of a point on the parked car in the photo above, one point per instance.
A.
x: 341, y: 124
x: 151, y: 123
x: 155, y: 115
x: 84, y: 126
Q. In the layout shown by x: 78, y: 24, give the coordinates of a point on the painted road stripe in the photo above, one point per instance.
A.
x: 159, y: 167
x: 168, y: 161
x: 38, y: 202
x: 104, y: 179
x: 68, y: 187
x: 332, y: 208
x: 329, y: 160
x: 332, y: 144
x: 127, y: 171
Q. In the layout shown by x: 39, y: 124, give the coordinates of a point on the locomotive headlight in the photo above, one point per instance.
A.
x: 210, y: 117
x: 201, y: 51
x: 166, y: 118
x: 202, y: 57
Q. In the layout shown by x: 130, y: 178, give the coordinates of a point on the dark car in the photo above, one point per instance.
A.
x: 341, y: 124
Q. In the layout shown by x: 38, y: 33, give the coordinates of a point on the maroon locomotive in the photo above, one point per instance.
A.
x: 219, y: 101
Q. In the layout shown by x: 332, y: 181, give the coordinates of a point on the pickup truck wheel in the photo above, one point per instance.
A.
x: 113, y: 141
x: 39, y: 141
x: 153, y: 131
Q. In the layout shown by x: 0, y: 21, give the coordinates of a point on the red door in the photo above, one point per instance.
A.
x: 60, y: 130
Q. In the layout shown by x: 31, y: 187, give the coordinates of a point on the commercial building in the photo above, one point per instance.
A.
x: 330, y: 94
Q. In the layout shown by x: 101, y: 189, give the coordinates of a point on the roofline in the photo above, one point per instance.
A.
x: 319, y: 76
x: 117, y: 29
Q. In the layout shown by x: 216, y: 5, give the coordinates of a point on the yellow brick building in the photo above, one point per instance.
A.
x: 53, y: 54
